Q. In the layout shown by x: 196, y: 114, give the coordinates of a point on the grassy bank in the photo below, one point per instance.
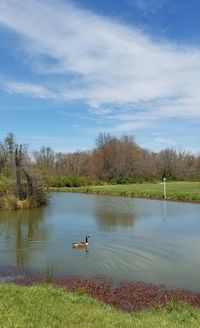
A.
x: 182, y: 191
x: 45, y: 306
x: 9, y: 202
x: 9, y: 199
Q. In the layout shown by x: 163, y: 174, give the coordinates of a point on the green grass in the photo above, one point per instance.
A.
x: 47, y: 307
x: 48, y: 274
x: 184, y: 191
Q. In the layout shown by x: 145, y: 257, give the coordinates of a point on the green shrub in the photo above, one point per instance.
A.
x: 71, y: 181
x: 122, y: 180
x: 6, y: 185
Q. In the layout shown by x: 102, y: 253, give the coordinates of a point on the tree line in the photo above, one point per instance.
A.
x: 113, y: 160
x: 117, y: 160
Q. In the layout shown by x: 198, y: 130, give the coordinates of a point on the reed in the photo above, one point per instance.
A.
x: 48, y: 274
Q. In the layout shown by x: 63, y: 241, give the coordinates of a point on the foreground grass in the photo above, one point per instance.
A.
x: 47, y: 306
x: 183, y: 191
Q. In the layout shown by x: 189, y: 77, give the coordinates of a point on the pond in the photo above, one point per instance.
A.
x: 131, y: 239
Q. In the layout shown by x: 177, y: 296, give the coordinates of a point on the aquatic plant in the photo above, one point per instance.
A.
x: 48, y: 274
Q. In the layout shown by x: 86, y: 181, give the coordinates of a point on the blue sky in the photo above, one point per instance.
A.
x: 72, y: 69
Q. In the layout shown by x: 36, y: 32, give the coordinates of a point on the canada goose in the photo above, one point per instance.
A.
x: 81, y: 244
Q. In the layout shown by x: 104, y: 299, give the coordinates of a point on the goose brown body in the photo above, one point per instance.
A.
x: 81, y: 244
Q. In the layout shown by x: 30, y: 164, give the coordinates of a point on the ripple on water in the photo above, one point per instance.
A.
x: 134, y: 254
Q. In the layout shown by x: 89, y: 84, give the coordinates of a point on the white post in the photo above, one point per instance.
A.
x: 164, y: 187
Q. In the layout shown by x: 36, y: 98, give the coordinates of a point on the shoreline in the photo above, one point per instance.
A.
x: 73, y: 190
x: 127, y: 296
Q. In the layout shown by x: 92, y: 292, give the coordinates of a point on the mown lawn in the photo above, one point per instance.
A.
x: 186, y: 191
x: 47, y: 307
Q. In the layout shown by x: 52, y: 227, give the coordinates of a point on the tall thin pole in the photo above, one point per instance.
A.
x: 164, y: 187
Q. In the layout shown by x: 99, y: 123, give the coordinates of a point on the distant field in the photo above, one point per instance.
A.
x: 49, y: 307
x: 184, y: 191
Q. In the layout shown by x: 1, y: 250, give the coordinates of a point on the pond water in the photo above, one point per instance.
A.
x: 131, y: 239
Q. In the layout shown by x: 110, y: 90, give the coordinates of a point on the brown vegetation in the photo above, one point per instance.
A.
x: 126, y: 296
x: 119, y: 160
x: 113, y: 160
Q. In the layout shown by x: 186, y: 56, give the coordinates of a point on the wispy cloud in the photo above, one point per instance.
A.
x: 34, y: 90
x: 115, y: 69
x: 148, y: 5
x: 165, y: 141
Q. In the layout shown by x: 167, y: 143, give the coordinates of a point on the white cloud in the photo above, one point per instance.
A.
x: 104, y: 63
x: 34, y: 90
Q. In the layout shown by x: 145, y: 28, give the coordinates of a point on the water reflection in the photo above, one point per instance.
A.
x: 164, y: 211
x: 114, y: 212
x: 20, y: 231
x: 133, y: 239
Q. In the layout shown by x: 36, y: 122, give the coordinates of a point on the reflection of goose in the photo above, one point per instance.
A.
x: 81, y: 244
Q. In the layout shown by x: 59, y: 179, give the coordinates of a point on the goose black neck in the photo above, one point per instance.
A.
x: 86, y: 239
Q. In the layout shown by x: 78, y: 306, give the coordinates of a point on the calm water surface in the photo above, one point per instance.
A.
x: 132, y: 239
